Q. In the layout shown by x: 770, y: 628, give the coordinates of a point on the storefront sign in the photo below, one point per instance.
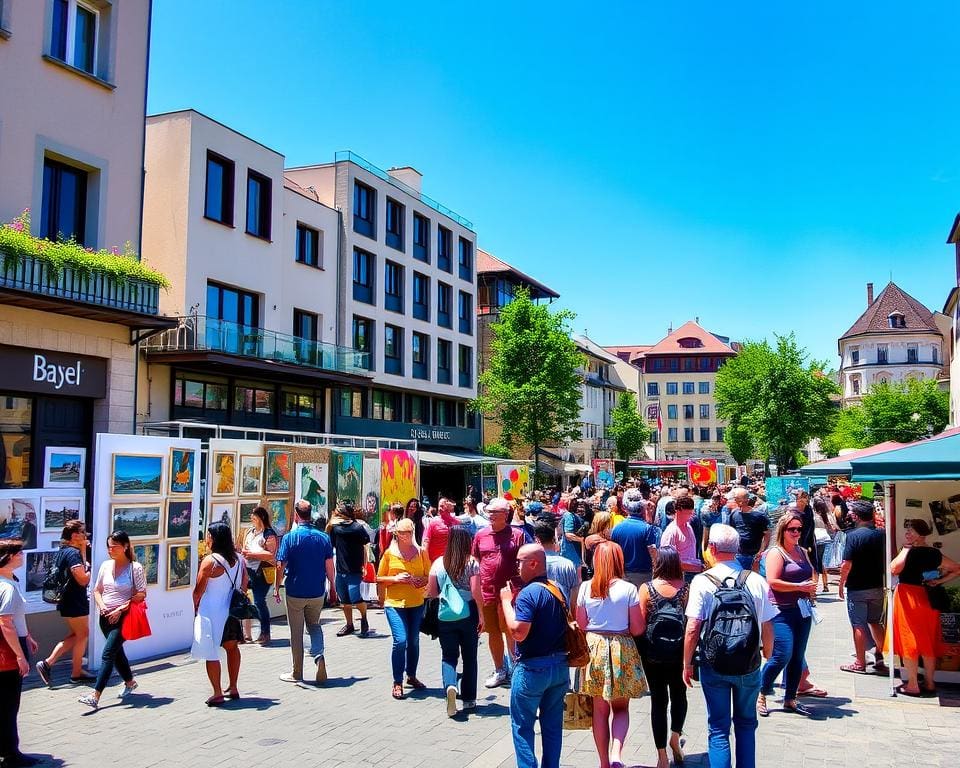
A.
x: 421, y: 433
x: 53, y: 373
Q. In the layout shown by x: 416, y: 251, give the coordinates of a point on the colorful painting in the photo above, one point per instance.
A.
x: 279, y: 514
x: 148, y: 555
x: 278, y: 472
x: 223, y: 512
x: 783, y: 490
x: 398, y: 478
x: 702, y: 471
x: 313, y: 485
x: 246, y: 512
x: 251, y: 475
x: 138, y: 521
x: 38, y: 565
x: 349, y: 477
x: 55, y: 513
x: 183, y: 464
x: 18, y: 520
x: 603, y: 473
x: 179, y: 519
x: 178, y: 566
x: 513, y: 480
x: 371, y: 490
x: 136, y: 475
x: 223, y: 480
x: 64, y: 467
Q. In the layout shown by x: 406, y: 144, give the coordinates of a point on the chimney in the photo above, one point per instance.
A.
x: 869, y: 294
x: 407, y: 175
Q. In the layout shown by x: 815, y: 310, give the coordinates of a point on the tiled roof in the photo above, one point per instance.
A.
x: 892, y: 299
x: 709, y: 344
x: 630, y: 354
x: 487, y: 263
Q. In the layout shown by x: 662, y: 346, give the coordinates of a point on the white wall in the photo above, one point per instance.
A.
x: 897, y: 368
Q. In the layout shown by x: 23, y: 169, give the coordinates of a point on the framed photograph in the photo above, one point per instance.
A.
x: 38, y: 565
x: 18, y: 520
x: 136, y: 475
x: 140, y: 521
x: 179, y: 518
x: 312, y: 485
x: 223, y: 512
x: 178, y: 566
x: 56, y: 512
x: 183, y: 467
x: 279, y: 514
x: 64, y: 467
x: 246, y: 512
x: 148, y: 555
x: 278, y: 472
x: 251, y: 475
x: 223, y: 480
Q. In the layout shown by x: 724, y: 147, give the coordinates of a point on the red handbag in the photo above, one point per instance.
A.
x: 135, y: 623
x: 369, y: 574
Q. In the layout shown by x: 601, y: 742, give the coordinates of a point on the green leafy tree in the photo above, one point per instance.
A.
x: 778, y: 395
x: 532, y: 384
x: 849, y: 431
x: 905, y: 411
x: 739, y: 441
x: 626, y: 427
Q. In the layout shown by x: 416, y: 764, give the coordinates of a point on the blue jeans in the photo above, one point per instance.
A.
x: 538, y: 683
x: 348, y: 588
x: 405, y: 628
x: 720, y: 691
x: 459, y: 638
x: 259, y: 587
x: 790, y: 634
x: 113, y: 655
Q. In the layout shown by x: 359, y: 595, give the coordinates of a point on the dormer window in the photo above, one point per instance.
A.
x: 897, y: 320
x: 689, y: 342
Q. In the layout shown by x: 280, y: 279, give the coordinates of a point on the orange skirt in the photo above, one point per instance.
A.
x: 916, y: 626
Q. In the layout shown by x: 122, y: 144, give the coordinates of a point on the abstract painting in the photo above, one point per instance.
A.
x: 251, y: 475
x: 278, y: 472
x: 179, y: 519
x: 183, y: 464
x: 223, y: 481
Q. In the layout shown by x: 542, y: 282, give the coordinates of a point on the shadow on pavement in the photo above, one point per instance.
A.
x: 44, y: 759
x: 829, y: 708
x: 340, y: 682
x: 250, y: 702
x: 487, y: 710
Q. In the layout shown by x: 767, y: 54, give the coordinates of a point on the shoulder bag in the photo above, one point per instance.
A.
x: 135, y: 623
x: 240, y: 605
x: 452, y: 605
x: 575, y: 639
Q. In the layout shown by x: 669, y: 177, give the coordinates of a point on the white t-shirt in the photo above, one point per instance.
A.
x: 700, y: 600
x: 610, y: 614
x: 12, y: 604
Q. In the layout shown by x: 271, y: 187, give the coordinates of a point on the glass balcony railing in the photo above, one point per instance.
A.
x: 208, y: 334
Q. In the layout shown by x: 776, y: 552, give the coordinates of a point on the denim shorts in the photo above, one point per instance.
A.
x: 348, y: 588
x: 865, y: 606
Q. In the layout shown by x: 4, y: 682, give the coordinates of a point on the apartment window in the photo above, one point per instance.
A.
x: 882, y: 353
x: 393, y: 350
x: 205, y: 395
x: 720, y: 433
x: 420, y: 347
x: 444, y: 299
x: 232, y: 305
x: 395, y: 216
x: 465, y: 313
x: 364, y: 210
x: 671, y: 434
x: 444, y: 413
x: 421, y: 296
x: 63, y: 214
x: 704, y: 411
x: 305, y: 324
x: 704, y: 388
x: 363, y: 276
x: 421, y: 238
x: 704, y: 434
x: 363, y: 338
x: 393, y: 286
x: 671, y: 411
x: 259, y: 197
x: 704, y: 363
x: 418, y: 409
x: 465, y: 260
x: 444, y: 351
x: 911, y: 353
x: 674, y: 364
x: 218, y: 198
x: 688, y: 434
x: 935, y: 354
x: 75, y: 34
x: 444, y: 247
x: 308, y: 246
x: 855, y: 356
x: 653, y: 389
x: 466, y: 366
x: 855, y: 385
x: 688, y: 387
x: 688, y: 411
x: 353, y: 402
x: 253, y: 400
x: 386, y: 405
x: 658, y: 364
x: 671, y: 387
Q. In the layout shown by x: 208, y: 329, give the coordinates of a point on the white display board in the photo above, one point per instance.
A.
x: 127, y: 494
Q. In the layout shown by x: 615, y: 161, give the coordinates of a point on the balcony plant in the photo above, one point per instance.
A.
x: 17, y: 244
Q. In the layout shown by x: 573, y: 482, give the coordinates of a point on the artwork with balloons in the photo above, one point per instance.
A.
x: 513, y: 480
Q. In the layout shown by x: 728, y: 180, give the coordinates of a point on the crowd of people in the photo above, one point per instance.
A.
x: 668, y: 584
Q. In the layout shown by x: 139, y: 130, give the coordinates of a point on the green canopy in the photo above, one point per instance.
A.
x: 935, y: 459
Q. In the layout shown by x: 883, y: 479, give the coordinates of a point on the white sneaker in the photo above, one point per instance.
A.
x: 498, y: 678
x: 451, y: 700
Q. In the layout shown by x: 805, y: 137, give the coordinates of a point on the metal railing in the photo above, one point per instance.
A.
x: 208, y: 334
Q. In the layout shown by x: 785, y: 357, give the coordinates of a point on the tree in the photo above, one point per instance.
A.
x: 739, y: 442
x: 626, y: 427
x: 849, y: 431
x: 532, y: 383
x: 777, y: 395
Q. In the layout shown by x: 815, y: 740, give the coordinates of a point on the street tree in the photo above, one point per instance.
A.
x: 849, y: 431
x: 627, y: 428
x: 739, y: 441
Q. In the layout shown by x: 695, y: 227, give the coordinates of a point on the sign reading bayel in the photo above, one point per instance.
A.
x: 53, y: 373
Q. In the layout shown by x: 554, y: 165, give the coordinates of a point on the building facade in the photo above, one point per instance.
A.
x: 951, y: 310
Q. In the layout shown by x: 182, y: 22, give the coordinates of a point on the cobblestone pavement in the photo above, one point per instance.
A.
x: 352, y: 721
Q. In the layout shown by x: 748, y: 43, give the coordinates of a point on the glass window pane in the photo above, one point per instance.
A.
x: 263, y: 401
x: 214, y: 202
x: 16, y: 416
x: 85, y: 39
x: 58, y: 37
x: 193, y: 394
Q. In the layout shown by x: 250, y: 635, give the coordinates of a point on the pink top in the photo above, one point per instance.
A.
x: 117, y: 587
x: 683, y: 539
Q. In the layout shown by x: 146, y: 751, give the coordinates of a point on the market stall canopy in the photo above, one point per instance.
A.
x: 937, y: 458
x: 840, y: 465
x: 462, y: 457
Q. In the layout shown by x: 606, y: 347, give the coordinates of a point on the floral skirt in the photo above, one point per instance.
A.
x: 614, y: 670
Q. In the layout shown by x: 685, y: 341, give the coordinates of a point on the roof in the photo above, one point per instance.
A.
x: 876, y: 318
x: 709, y: 344
x: 489, y: 264
x: 937, y: 458
x: 630, y: 354
x: 840, y: 465
x: 592, y: 348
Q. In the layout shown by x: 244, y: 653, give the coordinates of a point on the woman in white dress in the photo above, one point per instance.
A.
x: 222, y: 571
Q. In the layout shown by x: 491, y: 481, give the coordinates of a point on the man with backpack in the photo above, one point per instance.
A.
x: 728, y: 616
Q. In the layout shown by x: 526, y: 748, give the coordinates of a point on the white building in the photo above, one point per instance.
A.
x: 951, y: 309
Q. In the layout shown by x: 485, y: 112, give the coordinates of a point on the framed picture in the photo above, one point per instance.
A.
x: 56, y: 512
x: 246, y: 512
x: 64, y: 467
x: 223, y: 480
x: 279, y: 514
x: 251, y: 475
x: 140, y: 521
x: 183, y: 465
x: 38, y: 565
x: 179, y: 518
x: 223, y: 512
x: 178, y: 566
x: 136, y: 475
x: 148, y: 555
x: 18, y: 520
x: 312, y: 485
x: 278, y: 472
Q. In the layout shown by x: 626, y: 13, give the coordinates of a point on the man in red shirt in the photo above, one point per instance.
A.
x: 495, y: 549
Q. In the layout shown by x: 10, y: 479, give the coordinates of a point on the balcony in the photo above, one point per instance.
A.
x: 210, y: 335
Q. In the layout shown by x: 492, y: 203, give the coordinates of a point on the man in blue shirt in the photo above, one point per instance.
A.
x: 540, y: 676
x: 637, y: 538
x: 306, y: 558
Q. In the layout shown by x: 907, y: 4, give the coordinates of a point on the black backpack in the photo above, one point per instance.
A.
x: 730, y: 637
x: 56, y: 582
x: 663, y: 639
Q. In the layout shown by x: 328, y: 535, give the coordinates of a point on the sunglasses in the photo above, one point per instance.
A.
x: 793, y: 530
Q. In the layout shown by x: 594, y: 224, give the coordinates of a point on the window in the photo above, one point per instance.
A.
x: 688, y: 411
x: 704, y: 388
x: 653, y: 389
x: 855, y: 356
x: 466, y: 417
x: 232, y: 305
x: 704, y: 363
x: 259, y: 202
x: 364, y: 210
x: 386, y: 405
x: 444, y: 413
x: 688, y: 387
x: 363, y: 338
x: 911, y: 353
x: 671, y: 387
x: 64, y: 205
x: 882, y: 353
x: 720, y: 432
x: 704, y: 411
x: 672, y: 434
x: 308, y: 246
x: 444, y: 247
x: 935, y: 354
x: 674, y: 364
x: 363, y: 276
x: 16, y: 430
x: 74, y: 34
x: 393, y: 350
x: 465, y: 260
x: 393, y: 286
x: 465, y: 312
x: 299, y: 405
x: 421, y: 238
x: 205, y: 395
x: 395, y: 215
x: 444, y: 299
x: 855, y: 385
x: 466, y: 366
x: 671, y: 411
x: 421, y: 296
x: 688, y: 434
x: 897, y: 320
x: 305, y: 325
x: 420, y: 345
x: 253, y: 400
x: 353, y: 402
x: 218, y: 198
x: 444, y: 351
x: 418, y: 409
x: 704, y: 434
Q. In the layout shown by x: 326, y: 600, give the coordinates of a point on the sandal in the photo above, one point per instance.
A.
x: 857, y: 668
x: 901, y: 691
x: 233, y: 694
x: 215, y: 701
x: 762, y: 710
x: 397, y: 692
x: 797, y: 708
x: 415, y: 684
x: 345, y: 630
x: 818, y: 693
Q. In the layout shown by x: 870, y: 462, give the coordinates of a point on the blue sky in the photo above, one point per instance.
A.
x: 751, y: 167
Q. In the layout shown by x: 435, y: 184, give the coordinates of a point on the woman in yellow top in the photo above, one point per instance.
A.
x: 404, y: 569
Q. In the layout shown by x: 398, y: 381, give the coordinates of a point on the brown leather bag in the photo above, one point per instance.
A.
x: 575, y: 639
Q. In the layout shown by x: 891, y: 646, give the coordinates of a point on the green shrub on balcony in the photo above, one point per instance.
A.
x: 16, y: 244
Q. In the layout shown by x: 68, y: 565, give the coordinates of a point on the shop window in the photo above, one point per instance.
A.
x: 299, y: 405
x: 386, y: 405
x: 353, y: 402
x: 191, y: 393
x: 418, y: 409
x: 253, y: 400
x: 443, y: 413
x: 16, y: 420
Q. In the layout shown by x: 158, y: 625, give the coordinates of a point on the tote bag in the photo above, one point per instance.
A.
x: 452, y: 605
